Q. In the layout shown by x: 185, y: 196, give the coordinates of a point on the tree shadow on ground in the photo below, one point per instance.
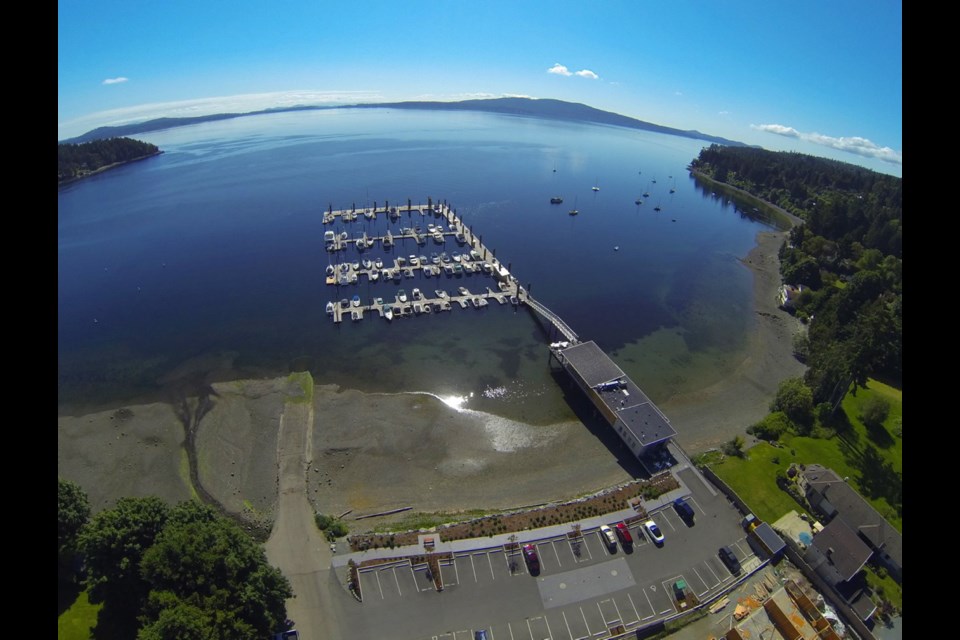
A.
x: 879, y: 436
x: 879, y: 479
x: 112, y: 623
x: 68, y: 589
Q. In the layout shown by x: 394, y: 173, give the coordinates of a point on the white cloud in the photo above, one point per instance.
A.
x: 723, y: 113
x: 678, y: 93
x: 560, y: 70
x: 853, y: 144
x: 115, y: 80
x: 778, y: 129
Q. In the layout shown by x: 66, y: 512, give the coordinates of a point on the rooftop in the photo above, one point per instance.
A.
x: 640, y: 416
x: 837, y: 553
x: 855, y: 511
x: 592, y: 365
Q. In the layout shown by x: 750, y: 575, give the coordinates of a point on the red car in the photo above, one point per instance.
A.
x: 624, y: 534
x: 530, y: 555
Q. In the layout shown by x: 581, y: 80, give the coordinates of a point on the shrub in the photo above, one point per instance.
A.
x: 771, y: 427
x: 734, y: 447
x: 795, y: 399
x: 874, y: 411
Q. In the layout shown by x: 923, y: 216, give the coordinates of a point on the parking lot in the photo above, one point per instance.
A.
x: 584, y: 589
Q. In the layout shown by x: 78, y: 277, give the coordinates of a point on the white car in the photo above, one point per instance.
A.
x: 608, y: 535
x: 654, y: 532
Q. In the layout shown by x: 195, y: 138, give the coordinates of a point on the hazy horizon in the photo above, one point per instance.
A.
x: 817, y: 78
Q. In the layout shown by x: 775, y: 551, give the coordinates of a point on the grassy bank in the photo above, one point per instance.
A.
x: 871, y: 458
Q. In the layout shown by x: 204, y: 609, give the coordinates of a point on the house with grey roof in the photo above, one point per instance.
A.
x: 833, y: 498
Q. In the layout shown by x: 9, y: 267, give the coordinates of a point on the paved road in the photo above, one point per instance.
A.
x: 295, y: 546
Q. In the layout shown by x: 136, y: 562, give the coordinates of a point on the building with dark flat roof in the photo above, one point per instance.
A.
x: 635, y: 418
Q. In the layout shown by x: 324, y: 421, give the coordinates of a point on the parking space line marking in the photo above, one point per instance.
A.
x: 556, y: 553
x: 694, y: 501
x: 377, y: 574
x: 547, y: 622
x: 569, y: 632
x: 670, y: 524
x: 737, y: 545
x: 619, y: 616
x: 474, y: 568
x: 397, y: 580
x: 490, y: 562
x: 529, y: 629
x: 585, y: 623
x: 510, y: 628
x: 540, y: 555
x: 456, y: 571
x: 706, y: 588
x: 719, y: 579
x: 635, y: 612
x: 650, y: 604
x: 413, y: 576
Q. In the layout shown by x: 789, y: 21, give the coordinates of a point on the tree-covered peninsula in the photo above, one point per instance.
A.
x: 76, y: 161
x: 845, y: 262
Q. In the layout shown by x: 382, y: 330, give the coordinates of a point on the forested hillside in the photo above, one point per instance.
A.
x: 848, y: 257
x: 78, y: 160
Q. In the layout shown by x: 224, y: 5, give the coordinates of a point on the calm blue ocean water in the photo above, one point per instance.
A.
x: 208, y: 261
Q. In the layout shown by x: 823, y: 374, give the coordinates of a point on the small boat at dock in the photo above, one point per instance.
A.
x: 556, y: 200
x: 331, y: 308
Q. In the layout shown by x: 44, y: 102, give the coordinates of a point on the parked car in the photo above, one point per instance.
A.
x: 624, y: 534
x: 654, y: 532
x: 532, y: 559
x: 684, y: 510
x: 729, y: 558
x: 480, y: 635
x: 607, y: 534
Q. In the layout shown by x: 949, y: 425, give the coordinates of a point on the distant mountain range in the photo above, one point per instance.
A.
x: 529, y: 107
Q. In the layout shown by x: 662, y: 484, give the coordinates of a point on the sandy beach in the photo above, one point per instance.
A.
x: 376, y: 452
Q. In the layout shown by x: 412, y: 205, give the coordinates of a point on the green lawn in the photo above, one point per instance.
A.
x: 754, y: 478
x: 76, y: 622
x: 889, y: 444
x: 871, y: 461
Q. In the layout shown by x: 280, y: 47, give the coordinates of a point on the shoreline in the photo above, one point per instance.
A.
x: 100, y: 170
x: 708, y: 417
x: 374, y: 452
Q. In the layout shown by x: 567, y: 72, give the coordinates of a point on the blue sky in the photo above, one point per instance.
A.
x: 819, y: 77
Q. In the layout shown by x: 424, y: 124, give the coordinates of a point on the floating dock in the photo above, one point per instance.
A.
x: 470, y: 258
x: 636, y: 419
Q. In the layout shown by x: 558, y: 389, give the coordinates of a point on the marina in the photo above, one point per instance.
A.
x: 470, y: 257
x: 639, y: 423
